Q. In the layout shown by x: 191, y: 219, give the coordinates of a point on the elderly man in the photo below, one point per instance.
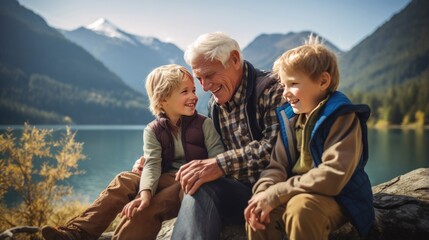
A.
x: 242, y: 107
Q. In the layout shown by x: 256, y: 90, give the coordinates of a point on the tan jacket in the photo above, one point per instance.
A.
x: 341, y: 155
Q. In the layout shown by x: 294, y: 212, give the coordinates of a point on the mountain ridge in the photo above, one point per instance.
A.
x: 391, y: 49
x: 394, y: 59
x: 77, y: 88
x: 130, y: 56
x: 266, y: 48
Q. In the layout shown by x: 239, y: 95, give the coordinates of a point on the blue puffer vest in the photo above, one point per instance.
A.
x: 356, y: 197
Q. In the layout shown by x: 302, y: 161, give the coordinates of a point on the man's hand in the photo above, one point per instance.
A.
x: 197, y: 172
x: 257, y: 212
x: 138, y: 165
x: 141, y: 202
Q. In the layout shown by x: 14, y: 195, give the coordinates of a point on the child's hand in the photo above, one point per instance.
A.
x: 138, y: 165
x: 257, y: 213
x: 140, y: 203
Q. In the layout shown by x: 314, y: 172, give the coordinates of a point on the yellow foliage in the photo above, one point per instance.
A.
x: 420, y: 118
x: 406, y: 120
x: 32, y: 166
x: 381, y: 124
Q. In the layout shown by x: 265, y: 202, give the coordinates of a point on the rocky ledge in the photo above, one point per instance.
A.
x: 401, y: 204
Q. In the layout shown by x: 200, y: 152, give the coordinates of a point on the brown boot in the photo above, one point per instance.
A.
x: 63, y: 233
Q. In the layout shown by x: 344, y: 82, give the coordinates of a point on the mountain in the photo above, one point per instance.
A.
x: 130, y: 56
x: 388, y: 70
x: 47, y: 79
x: 395, y: 53
x: 394, y: 60
x: 266, y: 48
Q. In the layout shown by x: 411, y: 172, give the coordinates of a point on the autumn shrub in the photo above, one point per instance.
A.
x: 34, y: 167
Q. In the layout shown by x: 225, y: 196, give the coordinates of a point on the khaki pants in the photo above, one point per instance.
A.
x: 95, y: 219
x: 306, y: 217
x: 123, y: 188
x: 164, y: 205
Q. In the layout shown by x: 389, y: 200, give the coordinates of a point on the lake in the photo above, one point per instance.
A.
x: 112, y: 149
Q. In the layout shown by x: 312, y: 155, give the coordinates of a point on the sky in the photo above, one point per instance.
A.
x: 343, y: 22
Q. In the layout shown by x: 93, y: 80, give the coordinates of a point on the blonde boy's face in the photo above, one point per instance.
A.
x: 182, y: 101
x: 303, y: 93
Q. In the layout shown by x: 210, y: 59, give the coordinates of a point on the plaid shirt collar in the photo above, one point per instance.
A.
x: 238, y: 99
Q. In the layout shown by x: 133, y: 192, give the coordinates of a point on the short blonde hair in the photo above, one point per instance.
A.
x: 312, y: 58
x: 212, y: 46
x: 161, y: 82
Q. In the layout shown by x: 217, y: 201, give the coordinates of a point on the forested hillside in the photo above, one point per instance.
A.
x: 46, y: 79
x: 389, y: 70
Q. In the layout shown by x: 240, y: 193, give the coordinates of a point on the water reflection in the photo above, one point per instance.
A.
x: 111, y: 150
x: 396, y: 151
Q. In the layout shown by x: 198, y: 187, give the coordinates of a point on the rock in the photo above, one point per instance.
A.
x: 402, y: 212
x: 8, y: 234
x: 401, y: 204
x: 402, y: 209
x: 106, y: 236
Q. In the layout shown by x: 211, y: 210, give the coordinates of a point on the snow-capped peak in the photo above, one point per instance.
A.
x: 104, y: 27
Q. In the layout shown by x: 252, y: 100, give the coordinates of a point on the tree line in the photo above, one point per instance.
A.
x: 403, y: 104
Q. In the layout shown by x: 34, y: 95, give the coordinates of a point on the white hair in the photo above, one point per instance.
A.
x: 212, y: 46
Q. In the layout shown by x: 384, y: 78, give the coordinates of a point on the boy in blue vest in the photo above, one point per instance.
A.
x: 315, y: 181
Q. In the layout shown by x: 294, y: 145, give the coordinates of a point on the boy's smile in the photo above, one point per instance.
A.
x: 181, y: 102
x: 303, y: 93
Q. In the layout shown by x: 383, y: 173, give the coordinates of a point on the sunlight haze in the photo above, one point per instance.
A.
x: 344, y: 23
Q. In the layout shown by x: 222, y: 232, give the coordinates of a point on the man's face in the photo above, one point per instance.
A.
x: 221, y: 81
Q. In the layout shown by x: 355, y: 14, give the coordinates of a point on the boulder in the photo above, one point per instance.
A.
x: 402, y: 209
x: 401, y: 205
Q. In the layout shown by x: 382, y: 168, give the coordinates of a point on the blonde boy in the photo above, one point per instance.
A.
x: 177, y: 135
x: 315, y: 181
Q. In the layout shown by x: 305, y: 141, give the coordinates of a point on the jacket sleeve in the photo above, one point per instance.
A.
x: 152, y: 167
x: 342, y: 151
x: 276, y: 169
x: 212, y: 139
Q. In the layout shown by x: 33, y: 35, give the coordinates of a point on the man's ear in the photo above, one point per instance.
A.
x: 325, y: 81
x: 235, y: 59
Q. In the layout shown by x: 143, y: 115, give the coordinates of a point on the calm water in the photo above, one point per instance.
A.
x: 111, y: 150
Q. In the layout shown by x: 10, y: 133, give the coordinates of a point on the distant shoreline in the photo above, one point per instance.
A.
x: 142, y: 126
x: 404, y: 127
x: 79, y: 127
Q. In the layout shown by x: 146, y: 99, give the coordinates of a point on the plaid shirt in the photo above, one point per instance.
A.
x: 246, y: 158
